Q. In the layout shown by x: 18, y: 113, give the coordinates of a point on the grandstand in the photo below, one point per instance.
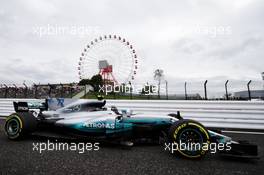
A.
x: 40, y: 90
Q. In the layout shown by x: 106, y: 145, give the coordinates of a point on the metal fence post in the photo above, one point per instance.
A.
x: 130, y: 90
x: 6, y: 90
x: 15, y: 90
x: 185, y: 90
x: 249, y: 93
x: 36, y: 90
x: 226, y: 89
x: 205, y: 90
x: 167, y: 96
x: 85, y: 92
x: 49, y: 90
x: 149, y: 89
x: 71, y: 90
x: 61, y: 94
x: 26, y: 89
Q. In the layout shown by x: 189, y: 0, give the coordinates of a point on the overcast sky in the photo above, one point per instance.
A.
x: 190, y: 40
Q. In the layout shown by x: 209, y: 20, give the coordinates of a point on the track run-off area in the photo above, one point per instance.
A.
x: 18, y: 157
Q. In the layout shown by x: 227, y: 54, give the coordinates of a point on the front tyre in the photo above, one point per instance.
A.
x: 191, y: 138
x: 19, y: 125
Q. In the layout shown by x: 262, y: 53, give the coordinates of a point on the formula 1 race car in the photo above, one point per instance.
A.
x: 88, y: 119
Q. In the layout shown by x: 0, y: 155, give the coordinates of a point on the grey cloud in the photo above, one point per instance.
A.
x: 152, y: 28
x: 188, y: 46
x: 230, y: 50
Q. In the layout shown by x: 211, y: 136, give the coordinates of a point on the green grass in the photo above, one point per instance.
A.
x: 120, y: 96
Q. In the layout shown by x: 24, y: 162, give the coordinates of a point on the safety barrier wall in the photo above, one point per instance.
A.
x: 218, y: 114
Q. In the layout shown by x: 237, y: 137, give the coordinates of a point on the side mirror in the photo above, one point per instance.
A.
x: 127, y: 112
x: 119, y: 117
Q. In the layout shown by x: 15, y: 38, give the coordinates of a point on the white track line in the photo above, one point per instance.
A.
x: 244, y: 132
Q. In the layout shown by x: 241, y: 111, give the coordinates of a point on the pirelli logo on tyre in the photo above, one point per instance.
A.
x: 178, y: 129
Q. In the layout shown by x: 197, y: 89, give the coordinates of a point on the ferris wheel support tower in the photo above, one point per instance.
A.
x: 106, y: 71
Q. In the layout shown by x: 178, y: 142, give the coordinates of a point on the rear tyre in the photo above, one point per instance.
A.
x: 191, y: 138
x: 18, y: 125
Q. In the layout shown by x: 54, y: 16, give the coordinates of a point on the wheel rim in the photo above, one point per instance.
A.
x: 13, y: 126
x: 191, y: 136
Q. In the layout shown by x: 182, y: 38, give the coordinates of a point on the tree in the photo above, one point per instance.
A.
x: 158, y: 76
x: 148, y: 89
x: 96, y: 81
x: 84, y: 82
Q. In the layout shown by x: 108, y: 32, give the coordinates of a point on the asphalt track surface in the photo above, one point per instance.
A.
x: 18, y: 157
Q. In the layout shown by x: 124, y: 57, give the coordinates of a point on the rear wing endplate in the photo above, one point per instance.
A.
x: 26, y: 106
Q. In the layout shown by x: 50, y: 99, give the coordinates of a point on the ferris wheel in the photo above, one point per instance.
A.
x: 111, y: 56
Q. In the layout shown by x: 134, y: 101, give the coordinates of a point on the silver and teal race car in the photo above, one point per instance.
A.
x: 91, y: 120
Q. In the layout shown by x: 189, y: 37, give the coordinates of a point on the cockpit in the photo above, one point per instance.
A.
x: 86, y: 106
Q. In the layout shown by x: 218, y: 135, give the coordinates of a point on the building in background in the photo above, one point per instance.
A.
x: 255, y: 94
x: 262, y: 75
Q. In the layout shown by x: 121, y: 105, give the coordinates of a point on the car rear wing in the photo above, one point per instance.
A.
x: 27, y: 106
